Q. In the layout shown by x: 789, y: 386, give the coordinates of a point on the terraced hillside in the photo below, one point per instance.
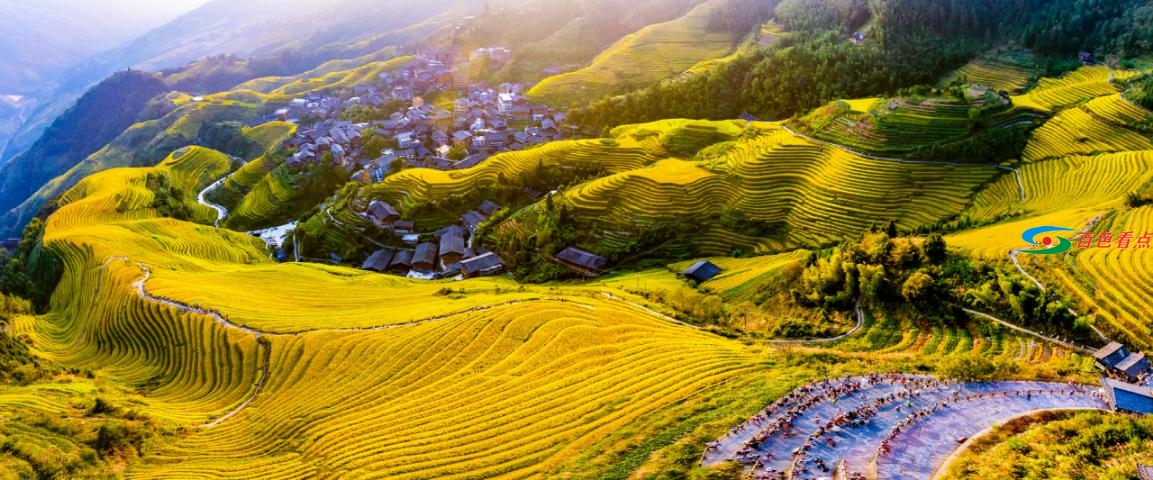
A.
x: 1052, y: 94
x: 654, y: 53
x: 295, y: 371
x: 421, y: 184
x: 1010, y: 72
x: 1111, y: 281
x: 1080, y: 168
x: 265, y: 370
x: 1082, y: 131
x: 666, y: 171
x: 912, y: 126
x: 124, y: 308
x: 778, y: 177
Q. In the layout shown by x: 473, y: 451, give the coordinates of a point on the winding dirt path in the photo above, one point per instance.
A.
x: 860, y: 324
x: 1013, y: 258
x: 1029, y: 332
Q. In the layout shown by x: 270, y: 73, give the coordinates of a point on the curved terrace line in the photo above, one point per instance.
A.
x: 1020, y: 183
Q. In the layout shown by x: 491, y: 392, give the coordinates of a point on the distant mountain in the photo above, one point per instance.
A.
x: 280, y: 37
x: 40, y: 40
x: 323, y: 29
x: 99, y: 116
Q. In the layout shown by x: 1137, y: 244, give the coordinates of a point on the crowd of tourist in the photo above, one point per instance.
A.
x: 757, y: 442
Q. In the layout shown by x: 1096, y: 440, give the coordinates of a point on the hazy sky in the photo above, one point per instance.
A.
x: 131, y: 15
x: 40, y: 38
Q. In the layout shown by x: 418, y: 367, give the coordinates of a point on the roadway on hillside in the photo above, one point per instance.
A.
x: 221, y: 212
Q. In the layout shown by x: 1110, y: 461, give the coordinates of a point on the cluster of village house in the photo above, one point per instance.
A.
x: 483, y: 121
x: 452, y: 251
x: 1126, y: 383
x: 447, y: 252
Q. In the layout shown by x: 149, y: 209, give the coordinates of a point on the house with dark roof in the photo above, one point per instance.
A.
x: 461, y: 136
x: 472, y: 220
x: 488, y: 207
x: 382, y: 214
x: 450, y: 270
x: 701, y: 271
x: 582, y: 261
x: 495, y: 139
x: 1133, y: 366
x: 424, y: 259
x: 1127, y: 396
x: 378, y: 261
x: 472, y: 160
x: 403, y: 227
x: 483, y: 265
x: 402, y: 261
x: 1110, y: 355
x: 452, y: 245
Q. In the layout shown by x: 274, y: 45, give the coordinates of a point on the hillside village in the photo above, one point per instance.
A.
x: 482, y: 121
x: 479, y: 122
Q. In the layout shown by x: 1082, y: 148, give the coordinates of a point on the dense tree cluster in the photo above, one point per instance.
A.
x: 168, y: 200
x: 97, y: 117
x: 906, y: 42
x: 1141, y: 92
x: 31, y: 271
x: 903, y: 273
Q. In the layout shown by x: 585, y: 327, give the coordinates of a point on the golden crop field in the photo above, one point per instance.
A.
x: 822, y: 193
x: 1085, y: 83
x: 557, y: 367
x: 997, y: 75
x: 428, y: 184
x: 277, y: 370
x: 1097, y: 183
x: 1115, y: 280
x: 653, y: 53
x: 1075, y: 131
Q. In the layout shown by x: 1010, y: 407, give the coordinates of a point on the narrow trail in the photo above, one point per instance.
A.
x: 649, y: 310
x: 265, y: 370
x: 266, y: 365
x: 1030, y: 332
x: 140, y: 284
x: 1013, y: 257
x: 1020, y: 183
x: 860, y: 324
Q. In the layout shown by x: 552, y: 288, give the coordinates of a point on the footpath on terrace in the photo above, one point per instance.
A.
x: 883, y: 426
